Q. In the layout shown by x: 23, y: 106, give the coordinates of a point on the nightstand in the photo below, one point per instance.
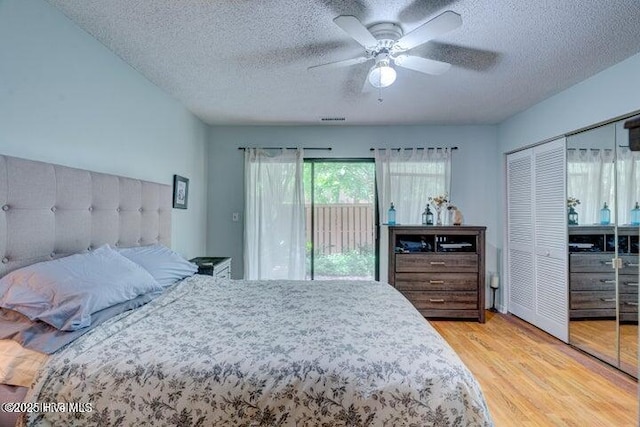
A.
x: 218, y: 267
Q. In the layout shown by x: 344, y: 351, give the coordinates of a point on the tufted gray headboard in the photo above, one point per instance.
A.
x: 50, y: 211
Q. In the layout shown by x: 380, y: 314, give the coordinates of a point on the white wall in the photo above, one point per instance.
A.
x: 66, y: 99
x: 473, y: 187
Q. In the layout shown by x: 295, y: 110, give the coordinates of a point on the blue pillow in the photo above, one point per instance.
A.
x: 65, y: 292
x: 165, y: 265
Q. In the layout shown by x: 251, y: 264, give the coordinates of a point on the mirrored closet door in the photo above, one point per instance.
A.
x: 603, y: 179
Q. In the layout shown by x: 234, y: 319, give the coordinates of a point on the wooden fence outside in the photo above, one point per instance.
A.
x: 341, y: 227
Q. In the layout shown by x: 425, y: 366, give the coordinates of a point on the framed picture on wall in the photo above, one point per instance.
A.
x: 180, y: 191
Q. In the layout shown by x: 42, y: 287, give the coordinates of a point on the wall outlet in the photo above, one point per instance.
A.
x: 235, y: 217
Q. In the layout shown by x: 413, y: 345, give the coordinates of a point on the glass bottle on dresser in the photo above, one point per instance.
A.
x: 391, y: 215
x: 605, y: 215
x: 635, y: 215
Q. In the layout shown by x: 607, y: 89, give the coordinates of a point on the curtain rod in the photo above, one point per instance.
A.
x: 417, y: 148
x: 288, y: 148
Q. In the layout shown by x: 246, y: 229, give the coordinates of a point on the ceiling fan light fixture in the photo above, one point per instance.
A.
x: 382, y: 75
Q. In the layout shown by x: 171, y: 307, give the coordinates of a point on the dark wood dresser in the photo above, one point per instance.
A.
x: 592, y: 276
x: 440, y: 269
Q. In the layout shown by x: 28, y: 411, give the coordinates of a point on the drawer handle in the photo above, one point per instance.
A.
x: 607, y: 262
x: 437, y: 263
x: 436, y: 300
x: 632, y: 264
x: 608, y: 299
x: 635, y: 304
x: 631, y: 284
x: 607, y: 281
x: 439, y: 282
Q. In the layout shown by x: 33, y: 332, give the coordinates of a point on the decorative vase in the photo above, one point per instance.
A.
x: 438, y: 215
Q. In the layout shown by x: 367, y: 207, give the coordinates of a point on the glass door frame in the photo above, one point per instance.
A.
x: 376, y: 228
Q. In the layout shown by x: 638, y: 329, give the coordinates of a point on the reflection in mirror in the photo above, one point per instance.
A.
x: 592, y: 280
x: 590, y: 172
x: 628, y: 195
x: 603, y: 187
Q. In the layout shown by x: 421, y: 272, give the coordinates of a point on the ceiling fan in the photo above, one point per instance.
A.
x: 386, y: 43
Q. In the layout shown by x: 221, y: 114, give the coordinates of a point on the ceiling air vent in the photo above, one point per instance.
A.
x: 333, y: 119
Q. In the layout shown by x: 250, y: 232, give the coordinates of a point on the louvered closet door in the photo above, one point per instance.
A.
x: 520, y: 256
x: 537, y: 237
x: 550, y: 240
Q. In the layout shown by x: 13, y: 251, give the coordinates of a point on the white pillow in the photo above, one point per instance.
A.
x: 65, y: 292
x: 165, y: 265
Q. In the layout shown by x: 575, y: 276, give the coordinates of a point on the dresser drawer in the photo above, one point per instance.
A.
x: 592, y: 281
x: 628, y: 284
x: 588, y: 300
x: 595, y: 263
x: 629, y: 303
x: 434, y: 300
x: 416, y: 263
x: 629, y: 264
x: 590, y: 263
x: 437, y: 281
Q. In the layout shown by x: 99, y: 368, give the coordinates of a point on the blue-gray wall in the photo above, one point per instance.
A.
x: 65, y: 98
x: 473, y: 184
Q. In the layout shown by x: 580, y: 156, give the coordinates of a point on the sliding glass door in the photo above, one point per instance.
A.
x: 340, y: 219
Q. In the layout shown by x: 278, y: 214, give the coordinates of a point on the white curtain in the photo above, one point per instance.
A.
x: 274, y: 240
x: 628, y: 183
x: 408, y: 177
x: 591, y: 180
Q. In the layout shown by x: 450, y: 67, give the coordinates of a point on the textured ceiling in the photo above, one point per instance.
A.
x: 245, y: 62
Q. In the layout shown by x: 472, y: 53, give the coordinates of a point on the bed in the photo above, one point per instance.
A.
x: 204, y: 351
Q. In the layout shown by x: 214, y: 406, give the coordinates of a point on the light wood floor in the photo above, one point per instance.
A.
x: 599, y: 336
x: 532, y: 379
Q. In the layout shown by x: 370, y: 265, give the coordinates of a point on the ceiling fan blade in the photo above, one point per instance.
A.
x: 441, y: 24
x: 422, y: 65
x: 343, y: 63
x: 352, y: 26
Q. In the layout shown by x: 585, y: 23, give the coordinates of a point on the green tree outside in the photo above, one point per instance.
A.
x: 337, y: 183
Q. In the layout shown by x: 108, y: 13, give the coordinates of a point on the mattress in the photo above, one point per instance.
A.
x: 242, y: 353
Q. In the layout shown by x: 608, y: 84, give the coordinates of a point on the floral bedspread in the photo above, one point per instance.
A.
x: 263, y: 353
